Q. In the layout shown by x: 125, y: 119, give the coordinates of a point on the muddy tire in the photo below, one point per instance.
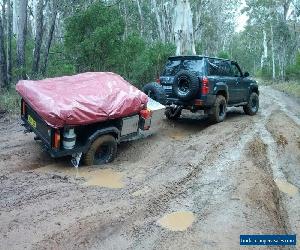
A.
x: 218, y: 111
x: 103, y: 150
x: 186, y: 85
x: 155, y: 92
x: 171, y: 114
x: 253, y: 105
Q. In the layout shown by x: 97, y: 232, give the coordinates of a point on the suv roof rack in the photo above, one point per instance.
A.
x: 196, y: 57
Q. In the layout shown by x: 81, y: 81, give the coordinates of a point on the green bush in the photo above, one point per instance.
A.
x: 94, y: 42
x: 293, y: 71
x: 149, y: 64
x: 223, y: 54
x: 93, y: 37
x: 264, y: 73
x: 9, y: 101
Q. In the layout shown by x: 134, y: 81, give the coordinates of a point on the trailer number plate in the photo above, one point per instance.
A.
x: 31, y: 121
x: 167, y: 87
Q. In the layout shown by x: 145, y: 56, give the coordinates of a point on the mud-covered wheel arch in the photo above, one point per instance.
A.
x: 103, y: 150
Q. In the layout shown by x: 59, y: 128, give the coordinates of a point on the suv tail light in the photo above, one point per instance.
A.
x: 205, y: 86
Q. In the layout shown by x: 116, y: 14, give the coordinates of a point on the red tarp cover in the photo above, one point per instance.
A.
x: 82, y: 99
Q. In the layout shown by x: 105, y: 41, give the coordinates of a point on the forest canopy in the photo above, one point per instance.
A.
x: 47, y: 38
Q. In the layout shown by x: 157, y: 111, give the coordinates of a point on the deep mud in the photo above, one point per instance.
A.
x: 238, y: 177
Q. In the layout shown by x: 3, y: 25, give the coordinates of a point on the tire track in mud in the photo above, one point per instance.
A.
x: 277, y: 214
x: 143, y: 213
x: 223, y: 173
x: 155, y: 206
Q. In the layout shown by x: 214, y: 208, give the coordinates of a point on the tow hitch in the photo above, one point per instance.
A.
x: 173, y: 110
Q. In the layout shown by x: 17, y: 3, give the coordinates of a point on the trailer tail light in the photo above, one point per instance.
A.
x: 205, y: 86
x: 56, y: 139
x: 145, y: 121
x: 146, y: 114
x: 23, y: 108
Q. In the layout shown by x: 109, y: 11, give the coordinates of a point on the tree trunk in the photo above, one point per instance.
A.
x: 39, y: 36
x: 167, y: 12
x: 15, y: 15
x: 183, y: 28
x: 49, y: 40
x: 3, y: 68
x: 9, y: 41
x: 273, y: 55
x: 21, y: 17
x: 265, y: 51
x: 4, y: 15
x: 126, y: 21
x: 141, y: 17
x: 160, y: 29
x: 34, y: 13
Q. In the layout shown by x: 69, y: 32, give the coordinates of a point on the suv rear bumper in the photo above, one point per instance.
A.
x: 206, y: 102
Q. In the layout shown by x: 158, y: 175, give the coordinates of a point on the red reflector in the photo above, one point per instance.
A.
x: 56, y: 141
x: 158, y: 80
x: 23, y: 108
x: 146, y: 113
x: 198, y: 102
x: 205, y: 86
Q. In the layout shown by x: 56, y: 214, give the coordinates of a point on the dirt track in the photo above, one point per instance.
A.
x: 238, y: 177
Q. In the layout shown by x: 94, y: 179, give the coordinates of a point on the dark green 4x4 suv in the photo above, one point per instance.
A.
x: 204, y: 83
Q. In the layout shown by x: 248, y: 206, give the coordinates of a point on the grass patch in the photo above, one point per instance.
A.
x: 9, y: 101
x: 292, y: 88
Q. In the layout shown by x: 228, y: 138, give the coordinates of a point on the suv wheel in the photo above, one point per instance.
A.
x: 155, y: 92
x: 253, y: 105
x: 173, y: 114
x: 218, y: 111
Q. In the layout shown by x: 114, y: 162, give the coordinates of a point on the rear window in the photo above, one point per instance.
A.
x: 174, y: 66
x: 219, y: 68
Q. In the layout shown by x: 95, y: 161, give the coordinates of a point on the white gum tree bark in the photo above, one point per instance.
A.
x: 183, y: 28
x: 264, y: 56
x: 158, y: 20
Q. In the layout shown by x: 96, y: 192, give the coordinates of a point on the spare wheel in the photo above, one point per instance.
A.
x: 186, y: 85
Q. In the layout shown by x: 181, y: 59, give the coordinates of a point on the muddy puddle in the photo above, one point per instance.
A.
x: 286, y: 187
x: 107, y: 178
x: 177, y: 221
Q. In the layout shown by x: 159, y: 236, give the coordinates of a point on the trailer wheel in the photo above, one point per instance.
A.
x: 103, y: 150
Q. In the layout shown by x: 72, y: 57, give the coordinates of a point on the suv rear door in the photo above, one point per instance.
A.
x: 173, y: 66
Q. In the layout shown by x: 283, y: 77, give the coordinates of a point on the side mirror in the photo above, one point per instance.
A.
x: 246, y: 74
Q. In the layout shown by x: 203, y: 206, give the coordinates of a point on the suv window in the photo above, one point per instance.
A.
x: 235, y: 70
x: 174, y: 66
x: 219, y: 68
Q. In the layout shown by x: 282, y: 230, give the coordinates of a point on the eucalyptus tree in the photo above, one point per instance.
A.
x: 3, y: 67
x: 20, y: 7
